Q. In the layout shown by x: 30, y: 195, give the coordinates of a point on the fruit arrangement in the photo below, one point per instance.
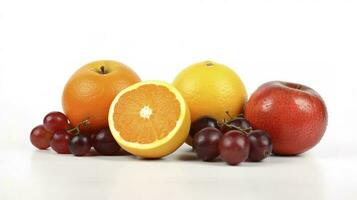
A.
x: 109, y: 109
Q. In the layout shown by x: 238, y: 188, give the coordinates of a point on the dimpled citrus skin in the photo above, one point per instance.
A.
x: 296, y: 119
x: 90, y: 91
x: 211, y: 89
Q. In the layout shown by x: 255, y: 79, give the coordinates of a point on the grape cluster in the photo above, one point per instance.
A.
x: 56, y: 132
x: 234, y: 140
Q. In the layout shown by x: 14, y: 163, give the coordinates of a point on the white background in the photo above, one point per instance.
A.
x: 43, y: 42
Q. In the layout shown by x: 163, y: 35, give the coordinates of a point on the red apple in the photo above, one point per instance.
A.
x: 294, y: 115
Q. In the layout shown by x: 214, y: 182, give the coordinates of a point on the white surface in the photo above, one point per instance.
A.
x: 43, y: 42
x: 30, y: 174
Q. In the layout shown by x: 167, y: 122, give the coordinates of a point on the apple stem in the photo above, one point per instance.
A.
x: 102, y: 69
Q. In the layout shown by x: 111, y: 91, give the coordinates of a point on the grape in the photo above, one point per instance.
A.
x: 234, y: 147
x: 240, y: 122
x: 105, y: 144
x: 60, y: 142
x: 202, y: 123
x: 92, y: 137
x: 260, y: 145
x: 40, y: 137
x: 55, y: 121
x: 80, y: 145
x: 206, y: 143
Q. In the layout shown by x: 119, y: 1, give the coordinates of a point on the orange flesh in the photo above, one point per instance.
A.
x: 146, y: 114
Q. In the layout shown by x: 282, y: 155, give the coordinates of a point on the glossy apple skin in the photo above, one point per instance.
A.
x: 294, y: 115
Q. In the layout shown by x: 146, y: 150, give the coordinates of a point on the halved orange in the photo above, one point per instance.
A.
x: 149, y: 119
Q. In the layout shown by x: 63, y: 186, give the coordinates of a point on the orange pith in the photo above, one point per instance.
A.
x: 146, y: 114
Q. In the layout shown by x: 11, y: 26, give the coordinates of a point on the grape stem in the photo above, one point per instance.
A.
x: 225, y: 122
x: 227, y: 113
x: 84, y: 123
x: 245, y: 131
x: 230, y: 116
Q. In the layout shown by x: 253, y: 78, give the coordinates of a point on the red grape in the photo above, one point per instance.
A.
x: 55, y: 121
x: 260, y: 145
x: 80, y: 145
x: 40, y: 137
x: 201, y: 123
x: 234, y: 147
x: 206, y: 143
x: 60, y: 142
x: 105, y: 144
x: 92, y: 137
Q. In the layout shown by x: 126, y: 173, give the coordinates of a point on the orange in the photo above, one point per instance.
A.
x: 149, y: 119
x: 211, y: 89
x: 91, y: 89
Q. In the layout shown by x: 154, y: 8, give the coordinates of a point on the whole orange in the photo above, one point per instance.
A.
x: 211, y: 89
x: 91, y: 89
